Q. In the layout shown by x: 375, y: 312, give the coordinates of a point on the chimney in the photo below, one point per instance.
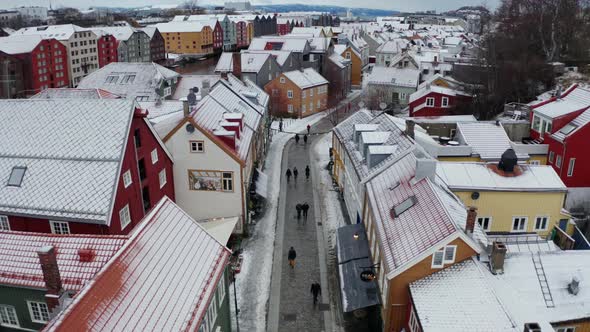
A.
x: 410, y: 124
x: 237, y: 64
x: 497, y: 257
x: 574, y: 286
x: 206, y: 87
x: 48, y: 261
x: 532, y: 327
x: 471, y: 217
x: 508, y: 161
x: 425, y: 168
x: 186, y: 109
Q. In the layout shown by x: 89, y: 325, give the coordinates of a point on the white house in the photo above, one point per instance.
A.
x: 216, y: 147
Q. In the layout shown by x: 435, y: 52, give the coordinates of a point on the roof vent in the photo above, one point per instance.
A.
x: 508, y: 161
x: 574, y: 286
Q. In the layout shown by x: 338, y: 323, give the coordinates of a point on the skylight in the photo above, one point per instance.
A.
x: 16, y: 176
x: 404, y: 206
x: 112, y: 79
x: 568, y: 128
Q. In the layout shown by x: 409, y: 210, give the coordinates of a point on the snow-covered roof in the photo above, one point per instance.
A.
x: 444, y: 119
x: 297, y: 45
x: 163, y: 279
x: 506, y: 301
x: 19, y: 44
x: 146, y: 78
x: 122, y: 33
x: 575, y: 98
x: 74, y: 93
x: 59, y: 32
x: 404, y: 77
x: 157, y: 109
x: 187, y: 26
x: 280, y: 56
x: 437, y: 89
x: 480, y: 176
x: 488, y: 140
x: 19, y: 261
x: 187, y: 82
x: 250, y: 62
x: 393, y: 46
x: 150, y: 31
x: 248, y: 88
x: 305, y: 79
x: 72, y: 153
x: 338, y: 60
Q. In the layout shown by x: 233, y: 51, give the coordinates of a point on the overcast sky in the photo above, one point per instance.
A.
x: 439, y: 5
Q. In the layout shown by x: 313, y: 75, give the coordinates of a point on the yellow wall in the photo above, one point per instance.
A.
x: 581, y: 325
x: 190, y: 42
x: 250, y: 30
x: 542, y: 159
x: 502, y: 206
x: 460, y: 159
x: 356, y: 72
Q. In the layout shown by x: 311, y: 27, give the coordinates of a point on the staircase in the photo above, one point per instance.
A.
x: 543, y: 280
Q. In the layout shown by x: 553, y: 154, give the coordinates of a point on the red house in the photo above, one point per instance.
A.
x: 437, y: 96
x: 562, y: 122
x: 90, y: 166
x: 107, y: 48
x: 44, y: 62
x: 217, y: 36
x: 241, y: 34
x: 157, y: 44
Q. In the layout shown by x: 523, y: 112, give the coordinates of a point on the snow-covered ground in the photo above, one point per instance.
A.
x: 253, y: 282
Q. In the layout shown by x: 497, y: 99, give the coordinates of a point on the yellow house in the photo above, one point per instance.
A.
x: 187, y: 37
x: 529, y: 199
x: 347, y: 52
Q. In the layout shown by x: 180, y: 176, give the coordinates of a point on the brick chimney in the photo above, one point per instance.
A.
x: 410, y: 124
x: 48, y: 261
x: 497, y: 257
x: 237, y: 64
x: 471, y: 217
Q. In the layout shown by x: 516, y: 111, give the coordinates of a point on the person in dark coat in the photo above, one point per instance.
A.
x: 281, y: 125
x: 299, y: 208
x: 308, y: 129
x: 291, y: 256
x: 295, y: 173
x: 288, y: 174
x: 305, y: 208
x: 296, y: 138
x: 304, y: 139
x: 316, y: 290
x: 307, y: 172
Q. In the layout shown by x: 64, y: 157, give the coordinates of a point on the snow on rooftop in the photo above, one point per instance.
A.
x: 172, y: 27
x: 19, y: 44
x: 169, y: 260
x: 405, y: 77
x: 73, y: 93
x: 306, y: 79
x: 488, y: 140
x: 374, y: 137
x: 573, y: 99
x: 250, y: 62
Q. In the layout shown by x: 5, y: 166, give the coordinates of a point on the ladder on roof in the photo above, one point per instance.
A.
x: 543, y: 280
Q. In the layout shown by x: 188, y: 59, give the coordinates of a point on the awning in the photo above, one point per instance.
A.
x: 262, y: 184
x: 354, y: 258
x: 220, y: 228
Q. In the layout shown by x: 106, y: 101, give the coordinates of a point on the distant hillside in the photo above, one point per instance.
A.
x: 335, y: 10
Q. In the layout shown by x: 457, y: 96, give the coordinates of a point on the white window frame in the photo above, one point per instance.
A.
x: 566, y: 329
x: 194, y: 145
x: 413, y: 322
x: 58, y: 226
x: 551, y: 156
x: 524, y: 229
x: 290, y: 94
x: 430, y: 101
x: 534, y: 162
x: 4, y: 223
x: 290, y: 108
x: 445, y: 102
x: 5, y: 308
x: 450, y: 249
x: 225, y: 181
x: 558, y: 161
x: 482, y: 223
x: 39, y: 307
x: 127, y: 180
x: 125, y: 216
x: 546, y: 223
x: 162, y: 176
x: 570, y: 167
x: 440, y: 253
x: 154, y: 155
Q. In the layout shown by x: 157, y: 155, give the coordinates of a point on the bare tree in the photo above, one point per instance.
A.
x: 192, y: 6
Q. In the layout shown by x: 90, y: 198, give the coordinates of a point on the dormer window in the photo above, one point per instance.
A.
x: 16, y: 176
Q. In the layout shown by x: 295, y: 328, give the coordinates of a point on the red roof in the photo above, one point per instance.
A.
x: 79, y: 257
x: 163, y: 279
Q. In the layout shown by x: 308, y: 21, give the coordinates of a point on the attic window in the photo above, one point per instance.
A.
x: 16, y: 176
x: 128, y: 79
x: 112, y: 79
x: 568, y: 128
x: 404, y: 206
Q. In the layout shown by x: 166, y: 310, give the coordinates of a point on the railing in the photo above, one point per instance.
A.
x: 563, y: 240
x: 581, y: 241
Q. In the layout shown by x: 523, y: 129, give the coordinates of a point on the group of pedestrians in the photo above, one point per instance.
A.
x: 316, y: 288
x: 302, y: 209
x: 295, y: 173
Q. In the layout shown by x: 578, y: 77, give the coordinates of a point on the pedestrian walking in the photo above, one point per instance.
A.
x: 305, y: 208
x: 296, y: 138
x: 307, y: 172
x: 305, y: 139
x: 288, y: 174
x: 308, y: 129
x: 299, y: 208
x: 316, y: 290
x: 281, y: 125
x: 292, y: 255
x: 295, y: 173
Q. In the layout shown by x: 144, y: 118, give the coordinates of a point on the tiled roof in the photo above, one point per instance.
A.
x: 250, y: 87
x: 19, y: 261
x: 573, y: 99
x: 73, y: 93
x: 163, y: 279
x: 306, y: 78
x: 71, y: 149
x: 434, y: 217
x: 481, y: 176
x: 488, y: 140
x: 148, y: 77
x: 19, y: 44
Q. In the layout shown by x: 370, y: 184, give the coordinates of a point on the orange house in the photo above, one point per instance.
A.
x: 298, y: 93
x: 350, y: 54
x: 416, y: 227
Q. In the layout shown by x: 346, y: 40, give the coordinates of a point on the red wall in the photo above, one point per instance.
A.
x: 131, y: 195
x: 437, y: 109
x: 283, y: 29
x: 241, y: 34
x: 157, y: 47
x: 218, y: 36
x: 107, y: 50
x: 575, y: 146
x: 42, y: 67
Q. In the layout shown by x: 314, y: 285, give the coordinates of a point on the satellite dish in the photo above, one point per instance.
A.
x: 190, y: 128
x: 474, y: 195
x: 382, y: 106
